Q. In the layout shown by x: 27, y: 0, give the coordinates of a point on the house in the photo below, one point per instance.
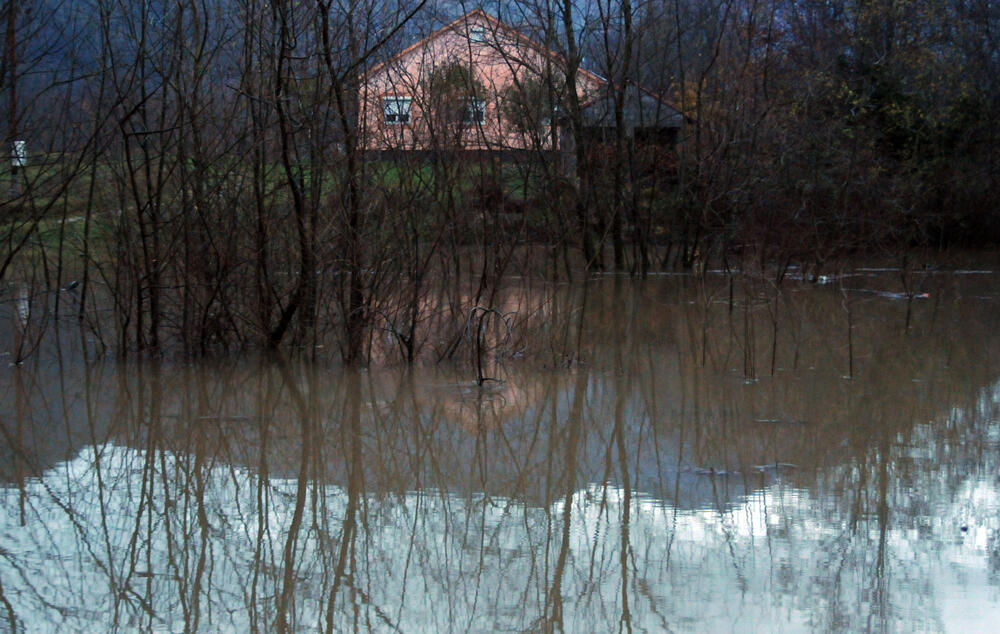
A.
x: 646, y: 117
x: 479, y: 85
x: 474, y: 84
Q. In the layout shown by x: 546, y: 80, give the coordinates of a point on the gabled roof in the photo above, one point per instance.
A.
x: 642, y: 109
x: 496, y: 26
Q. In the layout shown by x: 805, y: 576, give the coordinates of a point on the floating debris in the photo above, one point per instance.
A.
x: 779, y: 421
x: 890, y: 294
x: 711, y: 471
x: 777, y: 466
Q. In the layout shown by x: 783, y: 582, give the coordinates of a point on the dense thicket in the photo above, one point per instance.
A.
x: 195, y: 165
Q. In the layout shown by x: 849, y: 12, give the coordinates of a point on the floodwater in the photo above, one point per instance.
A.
x: 654, y: 456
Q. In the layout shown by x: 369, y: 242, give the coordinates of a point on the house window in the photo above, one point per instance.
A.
x: 477, y: 34
x: 396, y: 109
x: 473, y: 111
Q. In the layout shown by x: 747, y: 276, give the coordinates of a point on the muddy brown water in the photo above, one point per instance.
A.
x: 651, y: 456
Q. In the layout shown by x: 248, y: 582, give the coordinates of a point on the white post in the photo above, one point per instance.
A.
x: 18, y: 159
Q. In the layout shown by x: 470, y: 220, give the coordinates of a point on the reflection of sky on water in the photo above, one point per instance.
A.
x: 459, y: 498
x: 779, y: 558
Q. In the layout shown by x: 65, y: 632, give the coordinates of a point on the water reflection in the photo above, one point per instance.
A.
x: 632, y: 488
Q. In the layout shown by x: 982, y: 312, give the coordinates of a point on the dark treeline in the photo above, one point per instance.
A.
x: 196, y: 175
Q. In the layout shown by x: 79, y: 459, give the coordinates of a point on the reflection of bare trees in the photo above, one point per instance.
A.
x: 629, y: 490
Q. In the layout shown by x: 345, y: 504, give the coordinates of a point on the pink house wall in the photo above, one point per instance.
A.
x: 504, y: 56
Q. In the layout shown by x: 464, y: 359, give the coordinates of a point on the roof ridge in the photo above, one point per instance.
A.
x: 450, y: 26
x: 497, y: 24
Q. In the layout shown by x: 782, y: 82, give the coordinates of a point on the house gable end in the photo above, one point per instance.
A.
x: 483, y: 59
